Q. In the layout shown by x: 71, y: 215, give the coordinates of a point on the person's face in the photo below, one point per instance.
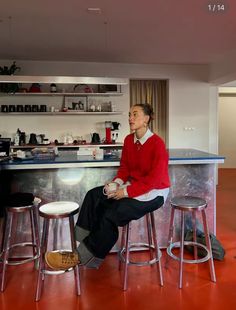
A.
x: 137, y: 118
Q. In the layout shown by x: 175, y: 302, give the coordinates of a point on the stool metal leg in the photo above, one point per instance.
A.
x: 208, y: 243
x: 171, y: 233
x: 55, y: 233
x: 36, y: 233
x: 73, y: 245
x: 158, y: 256
x: 2, y: 228
x: 122, y: 244
x: 194, y: 234
x: 149, y: 233
x: 41, y: 260
x: 6, y: 244
x: 181, y: 251
x: 128, y: 227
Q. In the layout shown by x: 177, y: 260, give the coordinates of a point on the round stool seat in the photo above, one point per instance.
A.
x: 23, y: 208
x: 188, y: 203
x: 57, y: 209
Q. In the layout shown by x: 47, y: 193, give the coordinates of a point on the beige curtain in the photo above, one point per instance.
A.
x: 153, y: 92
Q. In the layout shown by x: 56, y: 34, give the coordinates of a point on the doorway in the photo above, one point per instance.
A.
x: 227, y: 129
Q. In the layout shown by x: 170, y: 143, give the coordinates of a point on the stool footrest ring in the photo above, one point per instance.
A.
x: 189, y: 261
x: 15, y: 262
x: 140, y: 246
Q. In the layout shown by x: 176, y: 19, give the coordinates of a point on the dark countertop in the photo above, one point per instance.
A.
x: 70, y: 159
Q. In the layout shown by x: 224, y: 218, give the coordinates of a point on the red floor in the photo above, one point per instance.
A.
x: 102, y: 289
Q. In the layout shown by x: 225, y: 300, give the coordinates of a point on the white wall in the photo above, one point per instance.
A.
x: 191, y: 100
x: 227, y: 130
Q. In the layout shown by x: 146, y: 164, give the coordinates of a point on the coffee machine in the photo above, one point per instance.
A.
x: 115, y: 131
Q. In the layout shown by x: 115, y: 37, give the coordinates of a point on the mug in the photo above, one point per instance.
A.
x: 43, y: 108
x: 27, y: 108
x: 111, y: 187
x: 35, y: 108
x: 19, y: 108
x: 12, y: 108
x: 4, y: 108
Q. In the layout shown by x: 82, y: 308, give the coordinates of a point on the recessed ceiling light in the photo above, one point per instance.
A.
x: 94, y: 10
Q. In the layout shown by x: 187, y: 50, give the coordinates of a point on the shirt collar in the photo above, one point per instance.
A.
x: 144, y: 138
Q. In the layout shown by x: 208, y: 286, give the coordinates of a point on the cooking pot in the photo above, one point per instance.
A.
x: 95, y: 138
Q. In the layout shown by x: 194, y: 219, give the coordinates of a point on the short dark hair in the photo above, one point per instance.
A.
x: 147, y: 109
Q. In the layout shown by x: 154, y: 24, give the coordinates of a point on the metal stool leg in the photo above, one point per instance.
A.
x: 2, y: 228
x: 34, y: 233
x: 208, y: 243
x: 181, y: 251
x: 122, y: 244
x: 55, y: 233
x: 156, y: 246
x: 37, y: 234
x: 41, y: 260
x: 73, y: 246
x: 149, y: 233
x: 171, y: 233
x: 6, y: 244
x: 128, y: 227
x: 194, y: 233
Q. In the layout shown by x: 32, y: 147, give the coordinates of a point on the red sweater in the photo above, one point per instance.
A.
x: 146, y: 166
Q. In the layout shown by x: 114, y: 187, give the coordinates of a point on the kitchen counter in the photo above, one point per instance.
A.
x: 69, y: 177
x: 70, y: 159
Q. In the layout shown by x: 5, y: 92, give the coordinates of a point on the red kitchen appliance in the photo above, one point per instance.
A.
x: 108, y: 126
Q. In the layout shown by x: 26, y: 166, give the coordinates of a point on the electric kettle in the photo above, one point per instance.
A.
x: 33, y: 139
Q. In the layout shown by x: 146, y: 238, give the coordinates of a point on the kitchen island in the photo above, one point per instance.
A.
x: 69, y: 177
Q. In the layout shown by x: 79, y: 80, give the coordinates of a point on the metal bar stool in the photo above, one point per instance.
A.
x: 11, y: 213
x: 54, y: 211
x: 191, y: 205
x: 152, y: 245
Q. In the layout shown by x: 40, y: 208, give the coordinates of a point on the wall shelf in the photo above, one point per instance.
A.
x: 69, y: 146
x: 62, y: 94
x: 62, y: 80
x: 60, y: 113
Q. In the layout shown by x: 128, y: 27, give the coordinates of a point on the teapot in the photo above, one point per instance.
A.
x: 95, y: 138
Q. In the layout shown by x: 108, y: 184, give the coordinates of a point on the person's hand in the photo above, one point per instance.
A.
x: 118, y: 194
x: 110, y: 188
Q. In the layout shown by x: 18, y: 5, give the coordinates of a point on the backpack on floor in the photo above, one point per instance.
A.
x: 218, y: 251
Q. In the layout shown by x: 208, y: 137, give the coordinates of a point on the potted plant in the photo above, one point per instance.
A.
x: 9, y: 87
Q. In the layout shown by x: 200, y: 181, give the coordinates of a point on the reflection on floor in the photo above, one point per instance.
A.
x: 102, y: 289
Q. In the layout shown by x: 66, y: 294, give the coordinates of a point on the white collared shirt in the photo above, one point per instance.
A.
x: 154, y: 192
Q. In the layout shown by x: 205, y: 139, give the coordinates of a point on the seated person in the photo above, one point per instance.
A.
x: 142, y: 185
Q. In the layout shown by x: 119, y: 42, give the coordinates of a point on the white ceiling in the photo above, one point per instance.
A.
x: 131, y: 31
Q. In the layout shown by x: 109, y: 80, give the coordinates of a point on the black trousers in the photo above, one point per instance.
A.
x: 102, y: 216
